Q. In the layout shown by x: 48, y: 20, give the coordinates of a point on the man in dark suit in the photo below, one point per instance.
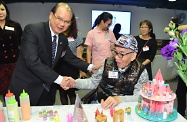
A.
x: 35, y: 71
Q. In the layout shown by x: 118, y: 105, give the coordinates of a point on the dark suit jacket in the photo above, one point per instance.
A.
x: 34, y: 66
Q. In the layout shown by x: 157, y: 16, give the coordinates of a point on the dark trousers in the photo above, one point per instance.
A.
x: 64, y: 94
x: 181, y: 96
x: 48, y: 97
x: 66, y: 69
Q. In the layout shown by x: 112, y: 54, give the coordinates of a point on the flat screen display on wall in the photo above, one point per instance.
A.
x: 121, y: 17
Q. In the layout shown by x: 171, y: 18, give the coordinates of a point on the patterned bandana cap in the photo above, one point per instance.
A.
x: 127, y: 41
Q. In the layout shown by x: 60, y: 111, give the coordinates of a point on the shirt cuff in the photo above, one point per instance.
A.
x: 59, y: 80
x: 90, y: 67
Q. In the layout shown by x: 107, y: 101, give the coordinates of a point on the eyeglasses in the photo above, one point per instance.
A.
x: 61, y: 20
x: 120, y: 55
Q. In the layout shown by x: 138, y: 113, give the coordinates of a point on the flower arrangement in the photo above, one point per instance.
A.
x: 177, y: 48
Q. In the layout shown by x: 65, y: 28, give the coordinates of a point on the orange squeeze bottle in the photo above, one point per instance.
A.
x: 25, y: 105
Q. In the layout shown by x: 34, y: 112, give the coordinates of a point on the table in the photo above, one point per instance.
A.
x: 90, y: 112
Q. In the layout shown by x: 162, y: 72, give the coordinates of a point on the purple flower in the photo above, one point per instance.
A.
x: 184, y: 59
x: 168, y: 51
x: 174, y: 43
x: 184, y: 31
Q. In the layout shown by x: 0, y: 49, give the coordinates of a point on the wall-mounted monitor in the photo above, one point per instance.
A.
x: 122, y: 17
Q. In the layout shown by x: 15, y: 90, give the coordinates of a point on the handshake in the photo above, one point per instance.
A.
x: 67, y: 82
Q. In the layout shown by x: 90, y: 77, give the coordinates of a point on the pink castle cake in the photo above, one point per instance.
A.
x: 156, y: 100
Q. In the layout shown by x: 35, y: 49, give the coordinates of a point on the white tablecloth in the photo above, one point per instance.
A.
x: 90, y: 112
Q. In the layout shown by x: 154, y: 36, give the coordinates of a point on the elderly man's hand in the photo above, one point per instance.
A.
x: 111, y: 101
x: 67, y: 82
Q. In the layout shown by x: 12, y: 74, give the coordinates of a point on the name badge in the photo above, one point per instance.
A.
x: 107, y: 36
x: 113, y: 74
x: 71, y: 39
x: 9, y: 28
x: 146, y: 48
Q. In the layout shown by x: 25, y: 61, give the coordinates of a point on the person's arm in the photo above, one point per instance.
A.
x: 147, y: 61
x: 79, y: 51
x: 19, y: 32
x: 89, y: 43
x: 79, y: 45
x: 115, y: 100
x: 90, y: 83
x: 182, y: 27
x: 88, y: 54
x: 113, y: 37
x: 134, y: 98
x: 32, y: 56
x: 75, y: 61
x: 153, y: 50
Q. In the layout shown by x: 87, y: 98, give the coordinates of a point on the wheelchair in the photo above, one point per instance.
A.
x: 90, y: 97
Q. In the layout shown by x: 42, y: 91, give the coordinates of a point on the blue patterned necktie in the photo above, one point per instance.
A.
x: 53, y: 48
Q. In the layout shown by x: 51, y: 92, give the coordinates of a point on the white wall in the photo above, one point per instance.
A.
x: 26, y: 13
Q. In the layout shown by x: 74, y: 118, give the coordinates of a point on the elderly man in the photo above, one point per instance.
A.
x: 121, y: 77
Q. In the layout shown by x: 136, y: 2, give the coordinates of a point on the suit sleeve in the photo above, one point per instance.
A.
x: 31, y: 44
x: 75, y: 61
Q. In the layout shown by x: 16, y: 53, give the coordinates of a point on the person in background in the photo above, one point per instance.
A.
x: 181, y: 97
x: 147, y: 45
x: 10, y: 38
x: 98, y: 39
x: 116, y: 30
x: 121, y: 77
x: 42, y: 46
x: 181, y: 86
x: 75, y: 41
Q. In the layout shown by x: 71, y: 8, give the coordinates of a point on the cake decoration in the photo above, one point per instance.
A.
x: 111, y: 111
x: 69, y: 117
x: 101, y: 118
x: 128, y: 110
x: 97, y: 112
x: 118, y: 116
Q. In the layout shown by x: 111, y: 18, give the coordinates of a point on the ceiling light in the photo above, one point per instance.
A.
x: 172, y: 0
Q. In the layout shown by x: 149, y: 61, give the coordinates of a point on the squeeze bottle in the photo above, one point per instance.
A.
x: 25, y: 105
x: 2, y: 118
x: 12, y: 109
x: 7, y: 97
